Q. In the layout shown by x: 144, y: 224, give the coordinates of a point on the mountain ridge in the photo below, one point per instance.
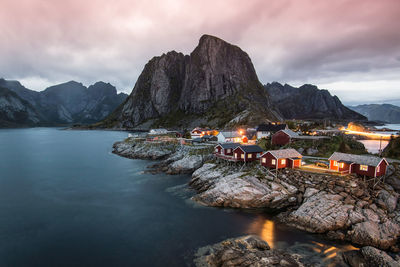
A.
x: 379, y: 112
x: 69, y: 102
x: 309, y: 102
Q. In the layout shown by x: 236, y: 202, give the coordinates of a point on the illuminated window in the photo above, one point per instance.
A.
x: 341, y: 165
x: 264, y: 160
x: 250, y: 156
x: 378, y: 168
x: 335, y: 163
x: 236, y: 155
x: 216, y: 150
x: 273, y: 162
x: 363, y: 168
x: 228, y: 150
x: 283, y: 161
x: 242, y: 156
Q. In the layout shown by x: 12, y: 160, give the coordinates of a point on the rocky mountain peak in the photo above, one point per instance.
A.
x: 216, y: 82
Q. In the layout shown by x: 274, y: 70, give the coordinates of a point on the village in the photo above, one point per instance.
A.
x: 275, y: 147
x: 321, y: 181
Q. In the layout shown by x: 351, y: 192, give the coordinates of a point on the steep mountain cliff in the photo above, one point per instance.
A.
x: 16, y: 111
x: 308, y: 102
x: 379, y: 112
x: 213, y: 85
x: 69, y: 102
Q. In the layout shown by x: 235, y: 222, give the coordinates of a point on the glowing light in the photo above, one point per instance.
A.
x: 267, y: 232
x: 369, y: 134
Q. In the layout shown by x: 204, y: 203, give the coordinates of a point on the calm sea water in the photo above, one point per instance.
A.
x: 374, y: 146
x: 66, y: 200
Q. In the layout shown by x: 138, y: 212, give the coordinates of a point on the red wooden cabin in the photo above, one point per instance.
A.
x: 225, y: 150
x: 364, y: 165
x: 278, y: 159
x: 283, y: 137
x: 247, y: 153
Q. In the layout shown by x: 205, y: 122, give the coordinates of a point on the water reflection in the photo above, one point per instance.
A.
x: 265, y: 229
x: 313, y: 252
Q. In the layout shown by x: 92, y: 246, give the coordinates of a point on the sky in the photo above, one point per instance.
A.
x: 351, y: 48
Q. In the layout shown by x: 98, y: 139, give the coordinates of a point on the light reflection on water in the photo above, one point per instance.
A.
x: 315, y: 251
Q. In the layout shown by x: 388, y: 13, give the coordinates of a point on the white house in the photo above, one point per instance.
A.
x: 231, y: 136
x: 266, y: 130
x: 158, y: 131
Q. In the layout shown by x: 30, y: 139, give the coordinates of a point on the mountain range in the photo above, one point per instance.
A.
x: 379, y: 112
x: 309, y: 102
x: 217, y: 86
x: 62, y: 104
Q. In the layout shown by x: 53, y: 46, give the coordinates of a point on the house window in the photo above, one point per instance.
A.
x: 273, y: 162
x: 250, y: 156
x: 283, y: 161
x: 242, y: 156
x: 363, y: 168
x: 378, y: 168
x: 228, y: 150
x: 216, y: 150
x: 335, y: 163
x: 264, y: 160
x: 236, y: 155
x: 341, y: 165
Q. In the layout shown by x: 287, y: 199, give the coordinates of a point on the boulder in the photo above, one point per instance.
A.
x: 376, y: 257
x: 321, y: 213
x: 371, y: 233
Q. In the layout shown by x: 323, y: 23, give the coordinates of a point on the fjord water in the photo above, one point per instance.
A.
x: 66, y: 200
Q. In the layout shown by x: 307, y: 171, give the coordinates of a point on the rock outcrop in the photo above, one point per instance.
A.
x: 174, y: 158
x: 370, y: 256
x: 243, y: 251
x: 213, y: 84
x: 309, y: 102
x: 218, y: 186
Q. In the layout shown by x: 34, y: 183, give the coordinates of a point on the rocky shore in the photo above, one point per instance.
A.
x: 244, y: 251
x: 341, y: 208
x: 173, y: 158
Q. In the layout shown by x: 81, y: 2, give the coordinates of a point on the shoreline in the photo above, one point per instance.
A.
x: 345, y: 210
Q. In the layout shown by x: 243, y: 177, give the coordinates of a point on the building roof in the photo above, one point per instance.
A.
x: 209, y: 137
x: 290, y: 133
x: 229, y: 145
x: 230, y: 134
x: 284, y: 153
x: 359, y: 159
x: 270, y: 127
x: 251, y: 149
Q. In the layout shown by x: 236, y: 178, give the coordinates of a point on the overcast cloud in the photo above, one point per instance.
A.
x: 351, y: 48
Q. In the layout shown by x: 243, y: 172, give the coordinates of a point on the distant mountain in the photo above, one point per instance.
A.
x: 379, y: 112
x: 215, y: 85
x: 308, y: 102
x: 15, y: 111
x: 70, y: 102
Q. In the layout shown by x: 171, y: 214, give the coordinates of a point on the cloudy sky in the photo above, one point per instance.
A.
x: 351, y: 48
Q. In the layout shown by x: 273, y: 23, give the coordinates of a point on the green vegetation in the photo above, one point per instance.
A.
x: 326, y: 147
x: 392, y: 150
x: 265, y: 144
